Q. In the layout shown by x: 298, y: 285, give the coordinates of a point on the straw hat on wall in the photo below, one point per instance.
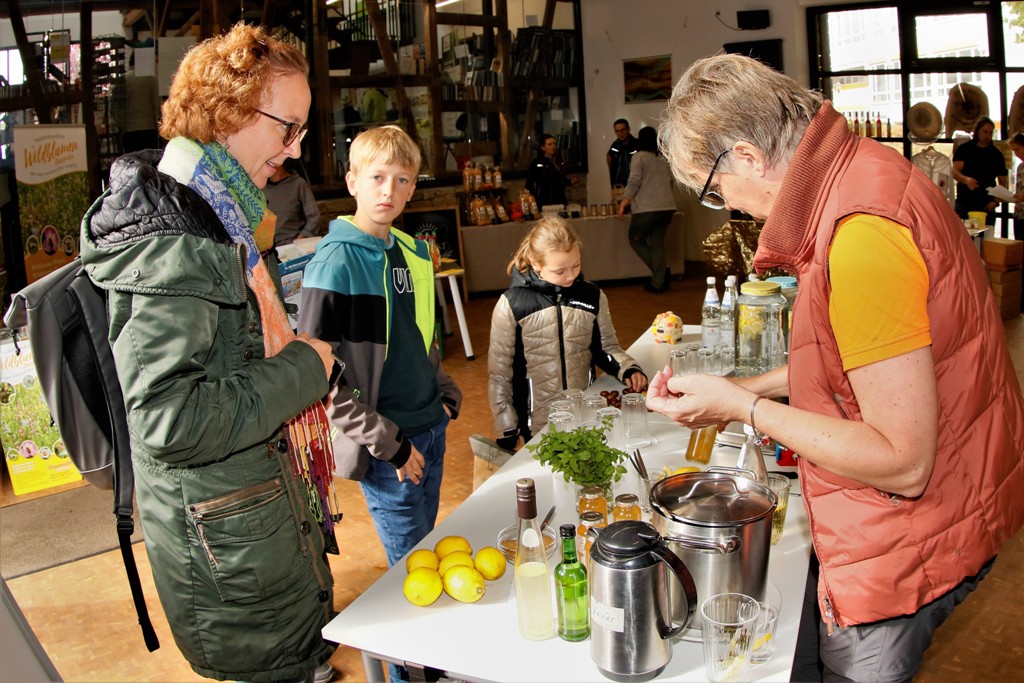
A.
x: 924, y: 122
x: 966, y: 104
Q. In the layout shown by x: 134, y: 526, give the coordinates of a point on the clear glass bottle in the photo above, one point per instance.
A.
x: 571, y: 590
x: 711, y: 317
x: 788, y: 284
x: 751, y: 458
x: 760, y: 341
x: 728, y: 319
x: 532, y: 580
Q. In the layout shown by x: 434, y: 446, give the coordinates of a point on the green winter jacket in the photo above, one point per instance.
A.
x: 237, y: 559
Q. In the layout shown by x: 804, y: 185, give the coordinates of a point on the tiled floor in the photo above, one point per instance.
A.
x: 83, y: 615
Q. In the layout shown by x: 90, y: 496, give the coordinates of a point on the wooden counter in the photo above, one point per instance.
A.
x: 606, y: 252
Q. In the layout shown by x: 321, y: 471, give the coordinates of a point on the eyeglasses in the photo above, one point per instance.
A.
x: 711, y: 199
x: 292, y: 130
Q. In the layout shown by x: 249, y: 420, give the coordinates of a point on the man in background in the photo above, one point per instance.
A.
x: 619, y: 155
x: 291, y: 199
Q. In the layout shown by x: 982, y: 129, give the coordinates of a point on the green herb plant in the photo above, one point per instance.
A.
x: 582, y: 456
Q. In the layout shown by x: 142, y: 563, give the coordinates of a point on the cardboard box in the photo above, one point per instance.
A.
x: 1002, y: 254
x: 999, y: 277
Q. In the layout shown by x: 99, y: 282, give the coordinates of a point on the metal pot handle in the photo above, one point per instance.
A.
x: 735, y: 471
x: 664, y: 554
x: 724, y: 545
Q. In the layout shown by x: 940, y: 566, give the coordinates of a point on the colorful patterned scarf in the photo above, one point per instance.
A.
x: 220, y: 180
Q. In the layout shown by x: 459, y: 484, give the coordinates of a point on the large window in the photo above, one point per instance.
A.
x: 876, y: 60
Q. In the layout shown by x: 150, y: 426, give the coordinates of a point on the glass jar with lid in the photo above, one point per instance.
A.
x: 627, y: 506
x: 584, y: 537
x: 760, y: 338
x: 592, y: 498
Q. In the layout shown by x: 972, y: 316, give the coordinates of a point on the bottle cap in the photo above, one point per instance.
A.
x: 760, y: 288
x: 526, y: 498
x: 711, y: 280
x: 567, y: 531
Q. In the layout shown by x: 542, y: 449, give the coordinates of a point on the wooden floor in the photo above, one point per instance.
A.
x: 82, y: 612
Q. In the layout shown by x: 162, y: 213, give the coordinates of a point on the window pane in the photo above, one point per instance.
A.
x: 1013, y: 33
x: 952, y: 35
x: 861, y: 39
x: 868, y: 96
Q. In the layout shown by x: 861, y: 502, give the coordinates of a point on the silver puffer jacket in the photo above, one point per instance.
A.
x: 545, y: 339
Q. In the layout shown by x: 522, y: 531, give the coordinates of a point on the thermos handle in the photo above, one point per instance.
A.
x: 689, y: 588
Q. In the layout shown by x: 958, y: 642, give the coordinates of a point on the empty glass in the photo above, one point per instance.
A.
x: 614, y: 433
x: 561, y: 421
x: 727, y: 630
x: 592, y: 404
x: 634, y: 421
x: 677, y: 361
x: 575, y: 396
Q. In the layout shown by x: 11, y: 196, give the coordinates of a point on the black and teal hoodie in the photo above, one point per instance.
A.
x: 346, y: 302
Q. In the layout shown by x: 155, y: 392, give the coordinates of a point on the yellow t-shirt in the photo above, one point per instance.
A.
x: 879, y: 302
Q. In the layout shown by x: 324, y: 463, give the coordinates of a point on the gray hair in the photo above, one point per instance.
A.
x: 726, y: 98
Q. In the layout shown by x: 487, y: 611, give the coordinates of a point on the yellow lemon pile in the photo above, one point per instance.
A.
x: 451, y: 568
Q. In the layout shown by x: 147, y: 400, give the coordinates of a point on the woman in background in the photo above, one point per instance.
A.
x: 649, y: 190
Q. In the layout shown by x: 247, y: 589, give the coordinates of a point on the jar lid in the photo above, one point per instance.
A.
x: 787, y: 281
x: 712, y: 498
x: 760, y: 288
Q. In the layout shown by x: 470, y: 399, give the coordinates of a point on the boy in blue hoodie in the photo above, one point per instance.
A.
x: 369, y: 292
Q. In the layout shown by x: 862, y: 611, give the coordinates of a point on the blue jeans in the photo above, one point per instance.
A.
x: 402, y: 511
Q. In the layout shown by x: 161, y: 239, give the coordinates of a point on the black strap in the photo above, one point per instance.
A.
x: 82, y: 363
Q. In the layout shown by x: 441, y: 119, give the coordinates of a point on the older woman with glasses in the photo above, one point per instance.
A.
x: 910, y: 475
x: 210, y: 369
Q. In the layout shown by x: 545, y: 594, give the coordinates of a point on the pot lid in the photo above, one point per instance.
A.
x: 712, y: 498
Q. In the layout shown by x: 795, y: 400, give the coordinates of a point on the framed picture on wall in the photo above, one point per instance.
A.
x: 647, y: 79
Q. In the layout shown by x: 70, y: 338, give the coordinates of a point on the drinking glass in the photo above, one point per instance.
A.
x: 634, y: 420
x: 706, y: 361
x: 576, y: 397
x: 561, y: 421
x: 614, y: 433
x: 764, y: 633
x: 563, y: 406
x: 727, y: 630
x: 779, y: 485
x: 726, y: 358
x: 677, y: 361
x: 592, y: 404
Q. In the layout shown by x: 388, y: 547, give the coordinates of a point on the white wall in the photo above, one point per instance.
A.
x: 688, y: 30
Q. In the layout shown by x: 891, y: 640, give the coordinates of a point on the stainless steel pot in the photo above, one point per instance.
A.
x: 719, y: 523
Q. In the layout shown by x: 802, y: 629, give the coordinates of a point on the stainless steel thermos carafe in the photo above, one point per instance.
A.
x: 631, y: 569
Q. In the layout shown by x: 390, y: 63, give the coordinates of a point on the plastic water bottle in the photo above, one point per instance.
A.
x: 728, y: 324
x: 711, y: 317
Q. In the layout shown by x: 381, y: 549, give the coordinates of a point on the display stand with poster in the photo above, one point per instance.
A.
x: 33, y: 449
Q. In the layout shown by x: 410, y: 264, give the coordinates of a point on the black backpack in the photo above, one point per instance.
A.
x: 68, y: 327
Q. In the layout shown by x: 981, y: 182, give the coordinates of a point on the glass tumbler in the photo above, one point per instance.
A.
x: 779, y: 485
x: 634, y: 421
x: 563, y: 406
x: 614, y: 433
x: 592, y: 404
x: 677, y: 361
x: 576, y: 397
x: 561, y: 421
x: 727, y: 630
x: 764, y: 633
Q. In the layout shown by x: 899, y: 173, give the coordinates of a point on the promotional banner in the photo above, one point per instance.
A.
x: 53, y: 194
x: 34, y: 452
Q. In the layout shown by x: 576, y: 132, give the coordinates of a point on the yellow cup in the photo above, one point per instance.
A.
x: 978, y: 217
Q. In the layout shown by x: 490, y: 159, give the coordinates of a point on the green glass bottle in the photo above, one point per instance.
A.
x: 571, y: 595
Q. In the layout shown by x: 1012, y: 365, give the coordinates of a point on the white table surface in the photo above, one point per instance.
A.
x: 481, y: 641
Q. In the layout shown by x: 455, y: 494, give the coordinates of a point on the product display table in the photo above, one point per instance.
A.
x: 481, y: 641
x: 606, y: 252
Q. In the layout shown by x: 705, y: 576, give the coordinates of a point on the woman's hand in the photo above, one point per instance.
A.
x: 698, y: 400
x: 322, y: 348
x: 636, y: 382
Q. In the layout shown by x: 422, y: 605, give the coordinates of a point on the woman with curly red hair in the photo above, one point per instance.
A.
x: 209, y: 366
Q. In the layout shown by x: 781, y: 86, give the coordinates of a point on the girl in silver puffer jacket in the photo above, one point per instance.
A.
x: 548, y: 332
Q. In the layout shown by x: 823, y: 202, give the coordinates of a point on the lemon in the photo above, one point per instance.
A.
x: 455, y: 559
x: 490, y: 563
x: 424, y: 557
x: 465, y: 584
x: 684, y: 470
x: 450, y: 544
x: 423, y: 586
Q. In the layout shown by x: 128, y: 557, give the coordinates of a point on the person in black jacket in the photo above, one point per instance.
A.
x: 546, y: 179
